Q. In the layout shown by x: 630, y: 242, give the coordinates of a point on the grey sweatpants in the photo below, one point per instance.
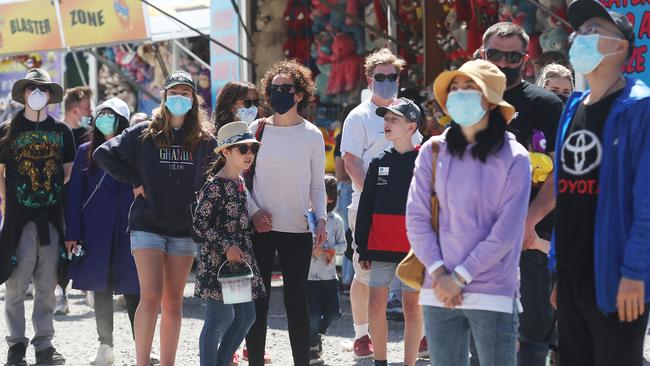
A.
x: 40, y: 263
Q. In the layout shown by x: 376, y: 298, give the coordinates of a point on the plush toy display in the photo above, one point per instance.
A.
x: 542, y: 164
x: 520, y: 12
x: 346, y: 65
x: 204, y: 89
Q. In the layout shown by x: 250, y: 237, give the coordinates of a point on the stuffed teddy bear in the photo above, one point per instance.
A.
x: 542, y: 164
x: 520, y: 12
x: 554, y: 39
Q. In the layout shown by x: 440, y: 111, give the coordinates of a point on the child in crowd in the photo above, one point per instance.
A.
x: 381, y: 228
x: 221, y: 221
x: 323, y: 292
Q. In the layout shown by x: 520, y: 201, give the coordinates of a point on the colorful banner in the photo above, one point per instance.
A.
x: 638, y: 11
x: 224, y: 26
x: 14, y: 68
x: 27, y: 26
x: 98, y: 22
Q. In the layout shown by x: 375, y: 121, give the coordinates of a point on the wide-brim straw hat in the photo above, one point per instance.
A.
x: 38, y: 77
x: 486, y: 75
x: 234, y: 133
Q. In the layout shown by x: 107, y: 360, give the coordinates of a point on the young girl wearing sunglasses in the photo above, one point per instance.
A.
x: 221, y: 220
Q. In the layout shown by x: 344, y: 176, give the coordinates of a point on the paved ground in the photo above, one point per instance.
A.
x: 76, y: 337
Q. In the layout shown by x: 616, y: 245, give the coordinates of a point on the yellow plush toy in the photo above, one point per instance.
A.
x: 542, y: 166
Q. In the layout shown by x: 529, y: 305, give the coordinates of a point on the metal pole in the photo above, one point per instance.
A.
x: 79, y: 70
x: 241, y: 20
x: 367, y: 26
x: 192, y: 54
x: 200, y: 33
x: 116, y: 69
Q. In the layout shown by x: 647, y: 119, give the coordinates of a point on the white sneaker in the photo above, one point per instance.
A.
x: 62, y: 307
x: 104, y: 356
x: 90, y: 299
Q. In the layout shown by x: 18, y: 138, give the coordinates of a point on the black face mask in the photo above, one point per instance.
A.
x: 281, y: 102
x: 564, y: 98
x: 513, y: 74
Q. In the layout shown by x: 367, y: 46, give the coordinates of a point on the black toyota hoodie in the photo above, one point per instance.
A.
x: 170, y: 176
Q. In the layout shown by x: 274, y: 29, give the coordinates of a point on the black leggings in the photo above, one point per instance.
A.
x: 104, y: 314
x: 294, y: 251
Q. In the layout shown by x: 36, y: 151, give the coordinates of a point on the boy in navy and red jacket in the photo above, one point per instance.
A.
x: 381, y: 228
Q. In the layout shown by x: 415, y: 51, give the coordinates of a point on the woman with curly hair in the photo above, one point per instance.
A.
x: 237, y: 101
x: 165, y: 160
x: 288, y: 179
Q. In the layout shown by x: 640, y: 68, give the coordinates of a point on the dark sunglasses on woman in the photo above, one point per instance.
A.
x: 283, y: 88
x: 251, y: 102
x: 243, y: 148
x: 382, y: 77
x: 512, y: 57
x: 32, y: 87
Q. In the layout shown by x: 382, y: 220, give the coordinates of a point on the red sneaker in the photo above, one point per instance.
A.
x: 362, y: 348
x: 423, y: 351
x: 235, y: 360
x: 267, y: 357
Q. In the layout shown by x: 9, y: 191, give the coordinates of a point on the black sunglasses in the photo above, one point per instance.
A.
x: 283, y: 88
x: 512, y: 57
x: 382, y: 77
x: 250, y: 102
x: 32, y: 87
x: 244, y: 148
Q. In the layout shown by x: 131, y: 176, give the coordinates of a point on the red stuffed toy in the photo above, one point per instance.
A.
x: 346, y: 65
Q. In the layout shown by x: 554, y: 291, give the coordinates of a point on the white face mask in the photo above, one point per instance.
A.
x: 247, y: 115
x: 37, y: 100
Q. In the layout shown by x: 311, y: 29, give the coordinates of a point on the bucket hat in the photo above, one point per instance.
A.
x: 38, y: 77
x: 487, y: 76
x: 234, y: 133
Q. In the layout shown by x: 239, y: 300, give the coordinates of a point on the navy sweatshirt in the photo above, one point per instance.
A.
x: 170, y: 176
x: 380, y: 232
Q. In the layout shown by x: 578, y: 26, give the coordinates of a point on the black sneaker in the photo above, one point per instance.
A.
x: 16, y: 355
x: 49, y: 356
x: 314, y: 358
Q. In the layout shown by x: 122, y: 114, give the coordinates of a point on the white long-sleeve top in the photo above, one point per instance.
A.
x: 290, y: 175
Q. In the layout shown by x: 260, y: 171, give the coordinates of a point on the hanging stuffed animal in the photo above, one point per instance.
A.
x: 298, y: 44
x: 520, y: 12
x: 346, y: 65
x: 204, y: 89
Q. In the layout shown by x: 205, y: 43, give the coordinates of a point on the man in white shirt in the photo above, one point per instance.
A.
x: 362, y: 139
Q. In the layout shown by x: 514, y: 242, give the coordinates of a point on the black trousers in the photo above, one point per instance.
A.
x: 294, y: 252
x: 104, y: 314
x: 589, y: 337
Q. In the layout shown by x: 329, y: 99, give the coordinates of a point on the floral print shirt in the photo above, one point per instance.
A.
x: 221, y: 219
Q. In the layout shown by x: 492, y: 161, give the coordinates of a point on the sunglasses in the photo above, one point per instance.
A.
x: 250, y: 102
x: 382, y: 77
x: 512, y: 57
x: 283, y: 88
x: 33, y: 87
x: 245, y: 148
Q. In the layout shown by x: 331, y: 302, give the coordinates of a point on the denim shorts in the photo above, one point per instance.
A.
x: 383, y: 273
x: 167, y: 244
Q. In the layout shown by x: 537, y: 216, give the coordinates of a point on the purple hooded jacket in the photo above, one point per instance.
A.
x: 482, y: 211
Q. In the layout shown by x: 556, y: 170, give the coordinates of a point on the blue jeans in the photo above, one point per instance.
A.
x: 345, y: 198
x: 224, y: 329
x: 448, y: 333
x: 324, y: 308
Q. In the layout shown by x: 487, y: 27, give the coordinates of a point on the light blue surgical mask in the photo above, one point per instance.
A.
x: 464, y: 107
x: 178, y: 105
x: 247, y: 115
x: 584, y: 54
x: 385, y: 89
x: 106, y: 124
x: 84, y: 121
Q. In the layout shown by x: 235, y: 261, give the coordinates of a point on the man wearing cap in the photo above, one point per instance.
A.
x: 380, y: 233
x: 505, y: 45
x: 601, y: 247
x: 361, y: 140
x: 36, y: 154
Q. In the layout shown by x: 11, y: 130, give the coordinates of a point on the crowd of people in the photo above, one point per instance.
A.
x: 516, y: 265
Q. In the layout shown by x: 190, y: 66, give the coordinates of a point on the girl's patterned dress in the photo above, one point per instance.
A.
x: 221, y: 219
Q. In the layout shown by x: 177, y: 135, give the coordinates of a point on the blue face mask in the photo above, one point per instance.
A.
x: 178, y: 105
x: 247, y: 115
x: 464, y: 107
x: 84, y: 121
x: 385, y: 89
x: 106, y: 124
x: 584, y: 54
